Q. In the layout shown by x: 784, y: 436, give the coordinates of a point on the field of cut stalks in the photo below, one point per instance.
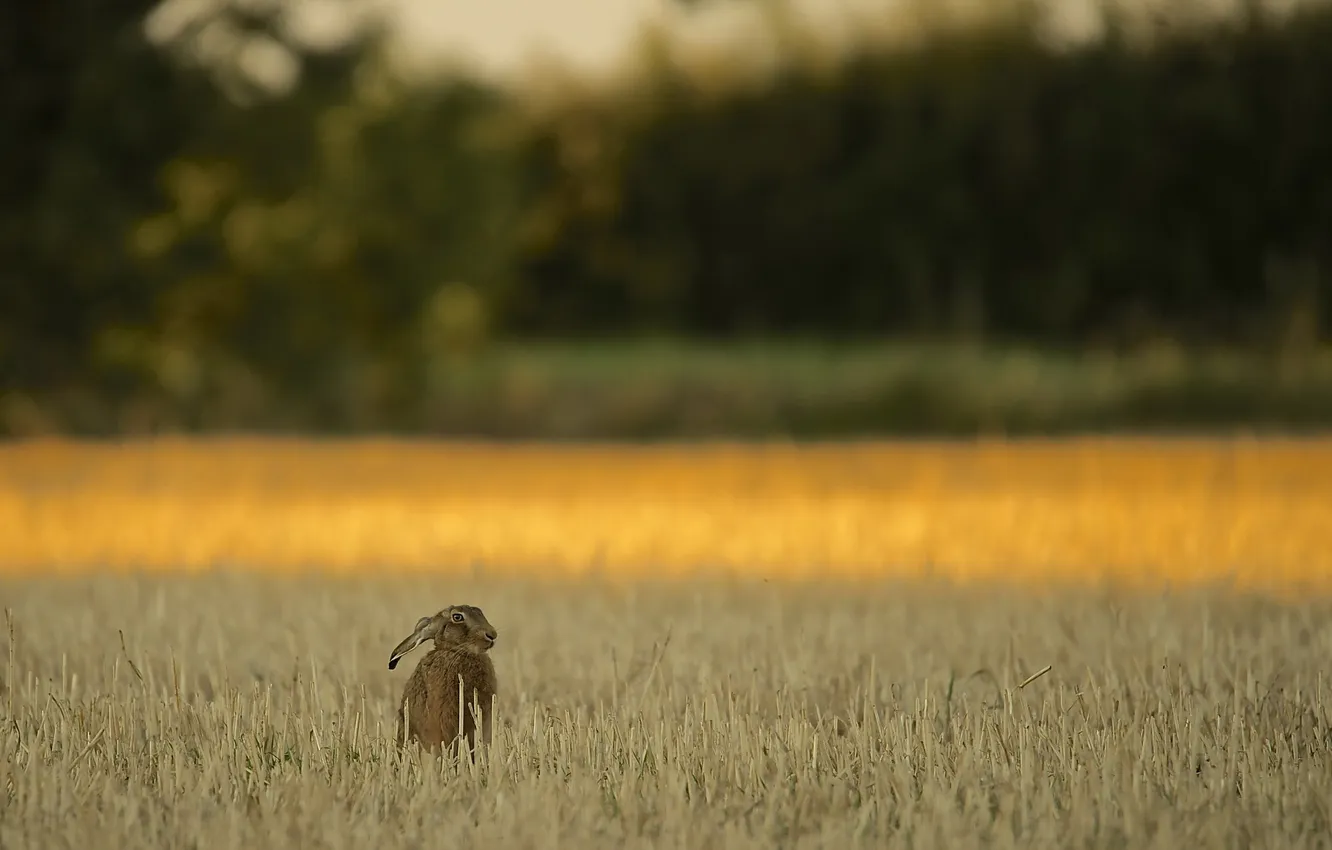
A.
x: 699, y: 647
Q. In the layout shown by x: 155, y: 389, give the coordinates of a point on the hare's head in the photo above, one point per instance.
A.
x: 460, y: 626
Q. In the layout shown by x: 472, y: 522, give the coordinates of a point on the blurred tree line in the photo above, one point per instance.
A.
x: 178, y: 252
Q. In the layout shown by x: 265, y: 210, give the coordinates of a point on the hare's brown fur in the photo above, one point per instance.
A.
x: 431, y: 694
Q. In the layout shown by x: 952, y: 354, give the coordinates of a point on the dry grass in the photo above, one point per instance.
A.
x: 1258, y: 513
x: 256, y: 712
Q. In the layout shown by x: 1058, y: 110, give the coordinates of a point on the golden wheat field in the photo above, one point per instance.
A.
x: 1247, y: 512
x: 928, y: 645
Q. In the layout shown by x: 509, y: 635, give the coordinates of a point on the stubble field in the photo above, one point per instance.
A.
x: 991, y: 700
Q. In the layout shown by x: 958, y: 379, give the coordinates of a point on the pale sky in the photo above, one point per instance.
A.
x: 501, y: 38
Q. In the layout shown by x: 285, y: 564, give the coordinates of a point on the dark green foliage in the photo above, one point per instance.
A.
x: 340, y: 259
x: 984, y: 183
x: 89, y: 112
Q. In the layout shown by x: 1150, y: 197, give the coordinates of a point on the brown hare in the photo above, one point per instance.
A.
x: 463, y: 637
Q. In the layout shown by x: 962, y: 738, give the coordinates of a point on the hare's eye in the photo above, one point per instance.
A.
x: 457, y: 617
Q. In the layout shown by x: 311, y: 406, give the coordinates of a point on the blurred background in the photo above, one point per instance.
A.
x: 630, y: 219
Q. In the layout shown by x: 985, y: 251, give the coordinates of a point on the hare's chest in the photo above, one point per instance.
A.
x: 466, y: 676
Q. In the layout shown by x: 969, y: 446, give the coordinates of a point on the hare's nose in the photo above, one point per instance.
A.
x: 490, y: 636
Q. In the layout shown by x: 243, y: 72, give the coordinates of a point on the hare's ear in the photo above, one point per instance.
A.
x: 424, y: 631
